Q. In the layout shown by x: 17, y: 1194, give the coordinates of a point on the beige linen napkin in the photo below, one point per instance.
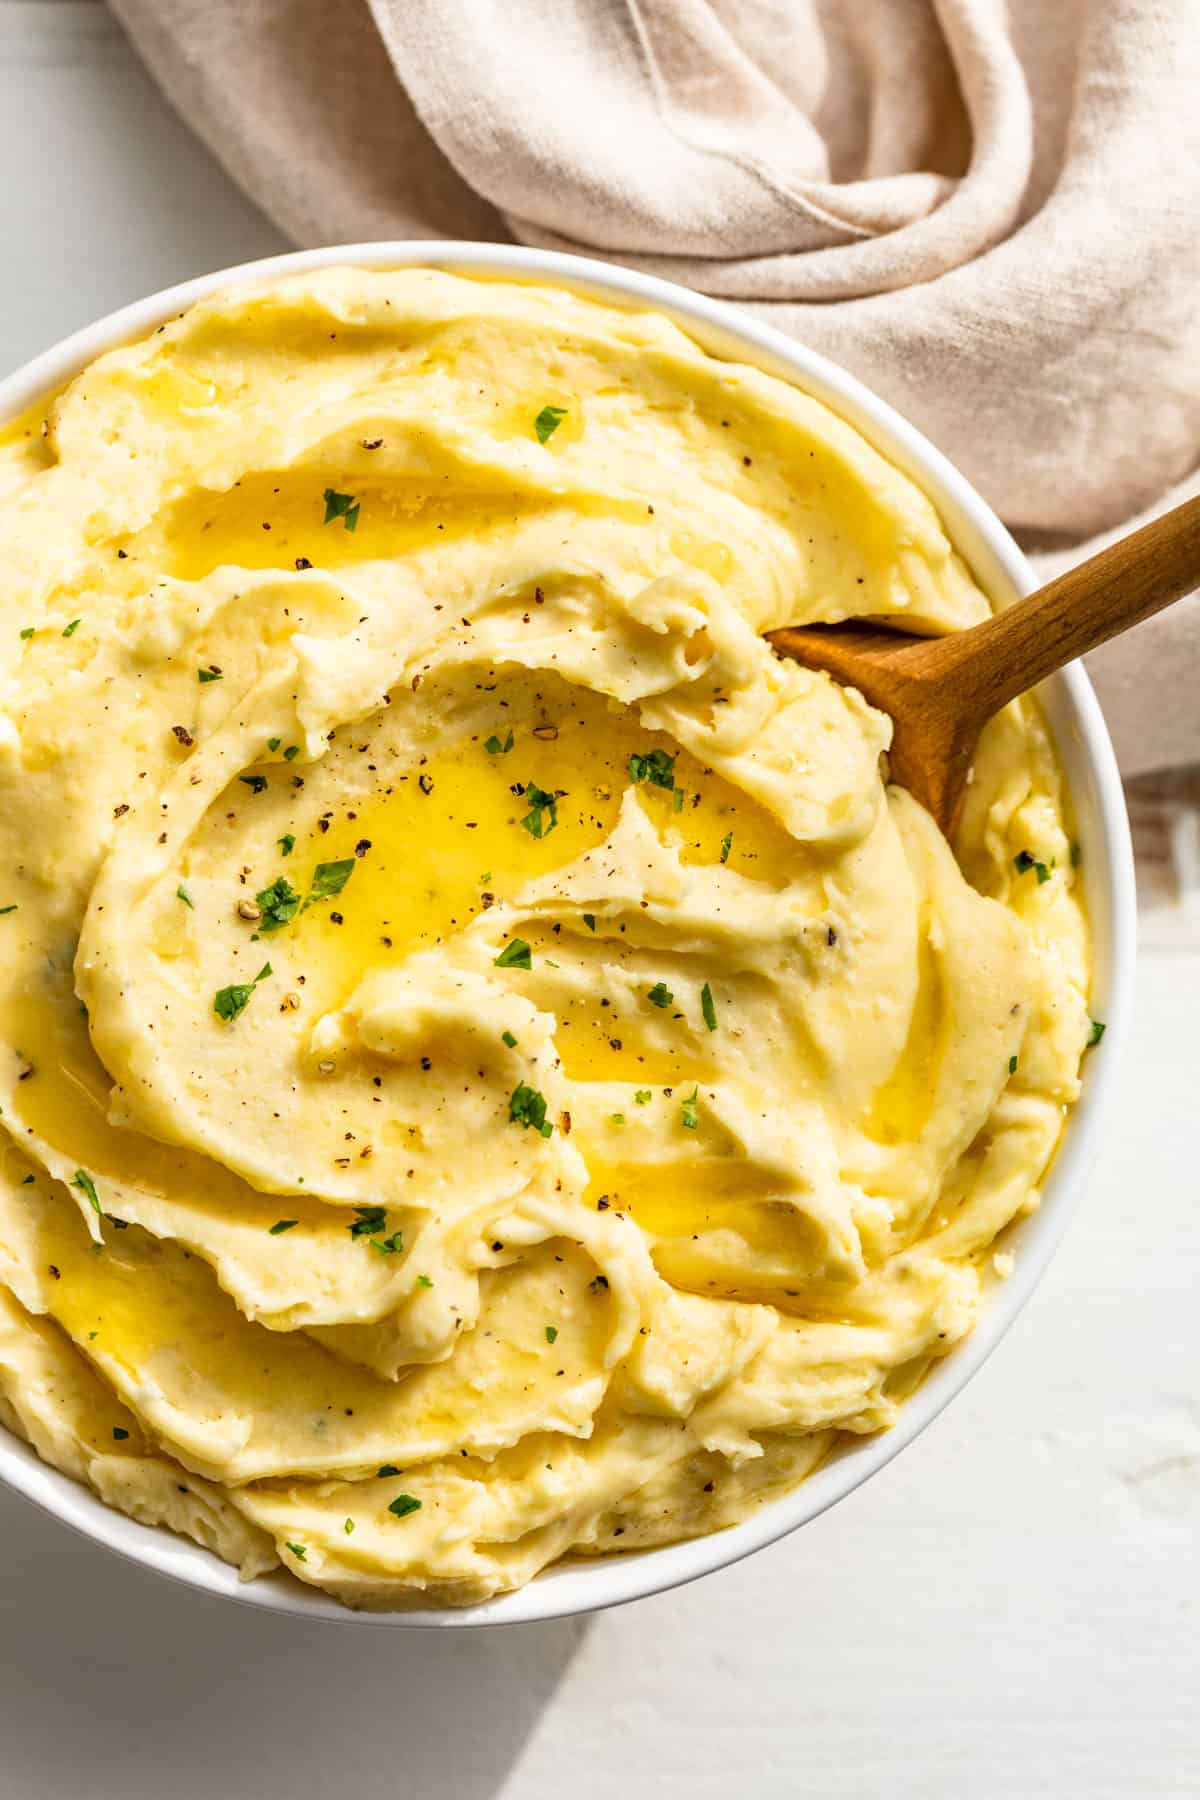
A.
x: 989, y: 212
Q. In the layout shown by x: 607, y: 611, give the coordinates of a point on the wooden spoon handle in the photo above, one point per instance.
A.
x: 1074, y: 613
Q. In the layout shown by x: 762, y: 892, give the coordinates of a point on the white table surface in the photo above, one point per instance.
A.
x: 1010, y: 1610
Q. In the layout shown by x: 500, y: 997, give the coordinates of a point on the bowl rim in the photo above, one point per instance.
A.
x: 585, y: 1585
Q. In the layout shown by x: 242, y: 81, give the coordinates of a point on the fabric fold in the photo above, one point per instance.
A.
x: 990, y: 213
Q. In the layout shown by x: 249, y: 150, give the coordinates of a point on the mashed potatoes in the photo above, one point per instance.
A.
x: 489, y: 1069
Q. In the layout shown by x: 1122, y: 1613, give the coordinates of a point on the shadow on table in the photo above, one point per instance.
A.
x: 114, y: 1681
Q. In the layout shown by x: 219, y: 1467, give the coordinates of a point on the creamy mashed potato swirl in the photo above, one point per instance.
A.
x: 489, y: 1070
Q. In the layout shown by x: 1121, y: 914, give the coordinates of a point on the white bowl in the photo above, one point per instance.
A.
x: 1103, y: 831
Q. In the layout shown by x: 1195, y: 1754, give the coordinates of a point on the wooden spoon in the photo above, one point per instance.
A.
x: 941, y: 692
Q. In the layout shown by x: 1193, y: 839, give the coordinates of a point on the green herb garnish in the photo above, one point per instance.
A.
x: 1012, y: 1065
x: 27, y: 631
x: 660, y: 994
x: 1096, y: 1033
x: 386, y: 1469
x: 494, y: 747
x: 404, y: 1504
x: 506, y: 1037
x: 256, y: 783
x: 287, y: 843
x: 528, y: 1108
x: 298, y: 1551
x: 642, y: 1095
x: 424, y: 1281
x: 707, y: 1007
x: 341, y: 506
x: 8, y: 909
x: 540, y: 803
x: 83, y: 1181
x: 548, y: 422
x: 228, y: 1002
x: 515, y: 955
x: 329, y: 879
x: 282, y: 1225
x: 181, y: 893
x: 348, y: 1527
x: 72, y: 628
x: 551, y: 1333
x: 368, y: 1219
x: 212, y: 673
x: 589, y: 920
x: 1023, y: 862
x: 120, y: 1433
x: 279, y: 904
x: 274, y: 743
x: 689, y: 1110
x: 291, y: 753
x: 726, y: 846
x: 654, y: 766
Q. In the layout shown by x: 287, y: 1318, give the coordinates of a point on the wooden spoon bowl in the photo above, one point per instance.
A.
x: 941, y: 692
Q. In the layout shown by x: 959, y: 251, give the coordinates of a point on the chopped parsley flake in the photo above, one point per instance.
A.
x: 1012, y: 1065
x: 404, y: 1504
x: 210, y: 674
x: 540, y: 803
x: 617, y: 1118
x: 348, y: 1527
x: 494, y: 747
x: 688, y: 1110
x: 27, y: 631
x: 329, y: 879
x: 228, y: 1002
x: 506, y: 1037
x: 298, y: 1551
x: 642, y: 1095
x: 119, y: 1432
x: 1023, y: 862
x: 8, y: 909
x: 341, y: 506
x: 678, y: 799
x: 660, y: 994
x: 548, y: 422
x: 279, y: 904
x: 1096, y: 1033
x: 367, y: 1220
x: 528, y: 1108
x: 287, y: 843
x: 282, y: 1225
x: 291, y: 753
x: 386, y: 1469
x: 516, y: 954
x: 726, y: 846
x: 589, y: 920
x: 256, y: 783
x: 424, y: 1281
x: 654, y: 766
x: 181, y: 893
x: 274, y: 743
x: 551, y: 1333
x: 707, y: 1007
x: 83, y: 1181
x: 72, y: 628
